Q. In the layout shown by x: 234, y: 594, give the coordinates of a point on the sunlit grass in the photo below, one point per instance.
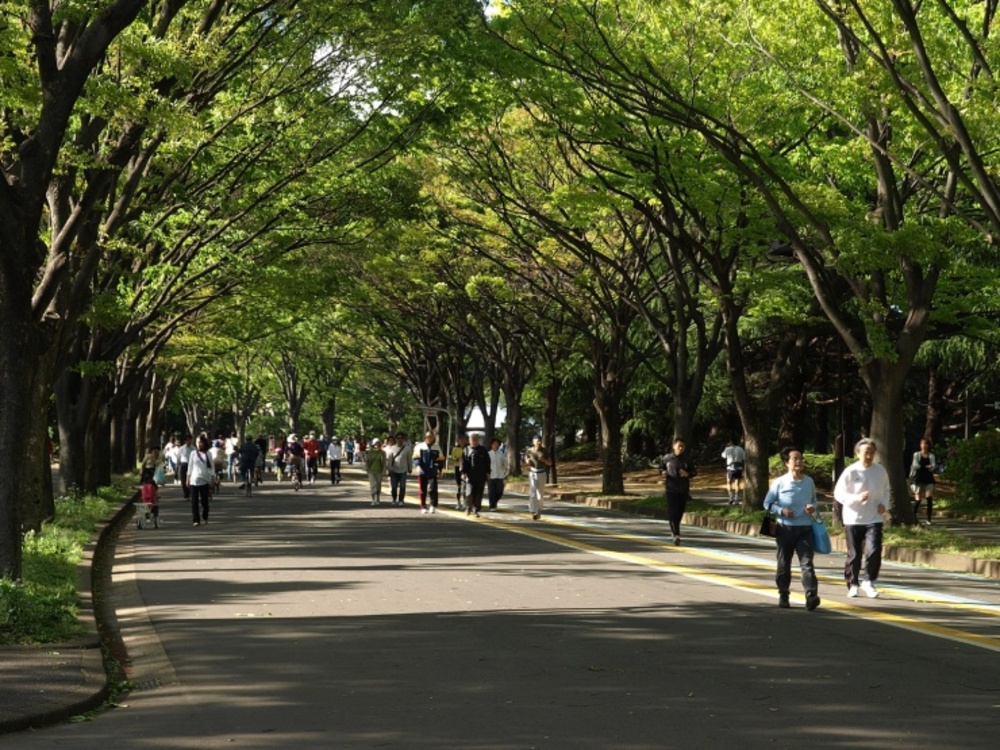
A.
x: 42, y: 606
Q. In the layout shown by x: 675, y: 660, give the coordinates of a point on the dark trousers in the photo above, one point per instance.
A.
x: 428, y: 490
x: 397, y: 483
x: 930, y: 507
x: 334, y: 471
x: 796, y: 540
x: 458, y: 484
x: 312, y: 469
x: 200, y: 494
x: 676, y: 504
x: 495, y: 487
x: 476, y: 489
x: 184, y: 480
x: 867, y: 540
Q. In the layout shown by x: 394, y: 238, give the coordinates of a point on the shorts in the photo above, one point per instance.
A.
x: 734, y: 474
x: 927, y: 490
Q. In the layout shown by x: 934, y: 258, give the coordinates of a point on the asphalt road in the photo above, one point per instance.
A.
x: 313, y: 620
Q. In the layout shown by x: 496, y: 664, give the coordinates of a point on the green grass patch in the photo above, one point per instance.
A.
x: 42, y: 606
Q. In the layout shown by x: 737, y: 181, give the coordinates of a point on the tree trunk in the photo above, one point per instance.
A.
x: 329, y: 415
x: 886, y: 379
x: 17, y: 357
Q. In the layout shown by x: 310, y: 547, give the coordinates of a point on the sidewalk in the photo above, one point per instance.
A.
x: 49, y: 684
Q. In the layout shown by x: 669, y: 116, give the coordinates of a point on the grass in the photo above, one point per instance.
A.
x: 42, y: 606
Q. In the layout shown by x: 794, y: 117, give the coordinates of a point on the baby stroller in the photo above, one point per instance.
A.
x: 148, y: 512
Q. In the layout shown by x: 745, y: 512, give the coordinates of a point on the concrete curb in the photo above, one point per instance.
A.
x: 96, y: 657
x: 951, y: 562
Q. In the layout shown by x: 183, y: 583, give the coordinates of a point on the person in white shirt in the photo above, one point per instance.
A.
x: 498, y: 473
x: 201, y: 472
x: 863, y: 491
x: 735, y: 457
x: 400, y: 462
x: 183, y: 454
x: 335, y: 454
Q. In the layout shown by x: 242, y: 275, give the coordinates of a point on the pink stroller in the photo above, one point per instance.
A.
x: 148, y: 513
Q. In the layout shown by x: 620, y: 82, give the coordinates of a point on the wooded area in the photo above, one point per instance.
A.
x: 614, y: 218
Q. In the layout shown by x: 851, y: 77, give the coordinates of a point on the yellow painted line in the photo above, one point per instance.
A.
x: 991, y: 643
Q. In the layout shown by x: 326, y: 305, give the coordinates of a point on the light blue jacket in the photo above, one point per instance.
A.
x: 786, y: 492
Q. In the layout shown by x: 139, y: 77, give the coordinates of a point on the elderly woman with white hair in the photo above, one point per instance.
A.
x: 863, y: 491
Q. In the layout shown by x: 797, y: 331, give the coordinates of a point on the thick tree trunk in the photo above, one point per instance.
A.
x: 329, y: 415
x: 17, y: 357
x: 37, y: 503
x: 885, y: 381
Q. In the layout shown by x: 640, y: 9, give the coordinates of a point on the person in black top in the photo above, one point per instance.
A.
x: 476, y: 467
x: 677, y: 469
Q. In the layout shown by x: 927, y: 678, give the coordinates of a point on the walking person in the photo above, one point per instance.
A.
x: 678, y: 470
x: 476, y: 468
x: 335, y: 453
x: 375, y: 464
x: 429, y: 462
x: 735, y: 457
x: 200, y: 474
x: 923, y: 467
x: 498, y: 473
x: 400, y: 465
x: 183, y: 458
x: 537, y: 461
x: 863, y: 491
x: 457, y: 456
x: 792, y: 498
x: 312, y: 448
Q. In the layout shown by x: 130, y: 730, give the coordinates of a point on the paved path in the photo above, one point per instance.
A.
x: 312, y: 620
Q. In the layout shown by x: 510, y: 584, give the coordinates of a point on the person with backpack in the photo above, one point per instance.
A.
x: 476, y: 468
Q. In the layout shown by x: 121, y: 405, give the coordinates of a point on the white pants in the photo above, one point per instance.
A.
x: 536, y: 480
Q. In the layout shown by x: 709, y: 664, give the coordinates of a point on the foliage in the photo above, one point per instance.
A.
x: 41, y: 608
x: 579, y: 452
x: 819, y: 466
x: 974, y: 468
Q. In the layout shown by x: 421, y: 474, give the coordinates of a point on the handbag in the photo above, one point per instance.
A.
x: 160, y: 476
x: 767, y: 525
x: 821, y: 537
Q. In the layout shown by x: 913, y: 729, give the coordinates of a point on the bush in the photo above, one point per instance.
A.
x: 42, y: 608
x: 974, y: 468
x: 819, y: 466
x: 579, y: 452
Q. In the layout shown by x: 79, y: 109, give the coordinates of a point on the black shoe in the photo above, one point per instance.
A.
x: 783, y: 602
x: 812, y: 601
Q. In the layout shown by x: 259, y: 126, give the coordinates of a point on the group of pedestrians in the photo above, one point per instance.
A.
x: 862, y: 490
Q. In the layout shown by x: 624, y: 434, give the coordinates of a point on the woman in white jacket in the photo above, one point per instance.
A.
x: 863, y: 491
x: 201, y: 472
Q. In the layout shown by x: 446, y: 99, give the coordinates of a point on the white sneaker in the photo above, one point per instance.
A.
x: 869, y: 588
x: 424, y: 511
x: 433, y: 510
x: 852, y: 591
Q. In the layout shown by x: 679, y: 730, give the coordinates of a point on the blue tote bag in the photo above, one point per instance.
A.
x: 821, y: 537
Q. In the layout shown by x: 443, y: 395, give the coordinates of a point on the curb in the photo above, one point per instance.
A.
x: 99, y: 651
x: 951, y: 562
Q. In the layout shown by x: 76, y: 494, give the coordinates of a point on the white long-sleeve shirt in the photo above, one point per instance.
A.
x: 855, y: 480
x: 498, y: 464
x: 201, y: 470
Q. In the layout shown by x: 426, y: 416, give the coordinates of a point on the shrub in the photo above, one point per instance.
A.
x: 819, y: 466
x: 42, y: 607
x: 974, y: 468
